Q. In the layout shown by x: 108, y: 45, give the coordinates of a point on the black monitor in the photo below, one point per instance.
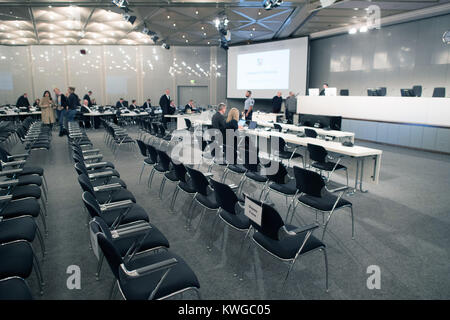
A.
x: 252, y: 125
x: 372, y: 92
x: 407, y: 93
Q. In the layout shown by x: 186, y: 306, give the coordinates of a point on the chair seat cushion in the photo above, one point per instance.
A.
x: 17, y: 229
x: 288, y: 188
x: 208, y: 201
x: 17, y: 260
x: 136, y: 213
x: 237, y: 168
x: 186, y: 186
x: 116, y: 195
x: 287, y: 247
x: 32, y: 170
x: 20, y: 192
x: 153, y: 239
x: 239, y: 221
x: 255, y: 176
x: 14, y: 289
x: 30, y: 179
x: 325, y: 203
x: 21, y: 207
x: 327, y: 166
x: 171, y: 175
x: 114, y: 171
x: 180, y: 277
x: 159, y: 167
x: 287, y: 155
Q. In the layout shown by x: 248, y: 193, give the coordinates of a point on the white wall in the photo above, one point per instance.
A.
x: 111, y: 72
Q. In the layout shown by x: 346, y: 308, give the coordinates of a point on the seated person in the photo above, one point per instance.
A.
x: 233, y: 119
x: 147, y: 105
x: 172, y: 108
x: 85, y: 107
x: 133, y: 105
x: 189, y: 107
x: 36, y: 102
x: 120, y: 104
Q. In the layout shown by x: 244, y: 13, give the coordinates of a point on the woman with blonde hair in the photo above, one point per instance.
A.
x: 233, y: 119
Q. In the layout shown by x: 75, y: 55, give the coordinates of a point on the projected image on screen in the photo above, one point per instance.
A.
x: 263, y: 70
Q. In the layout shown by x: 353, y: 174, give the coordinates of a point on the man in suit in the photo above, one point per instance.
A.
x: 164, y: 103
x: 87, y: 97
x: 322, y: 92
x: 189, y: 107
x: 120, y: 104
x: 218, y: 119
x: 133, y: 105
x: 23, y: 101
x: 291, y: 107
x: 276, y: 103
x: 147, y: 104
x: 62, y: 103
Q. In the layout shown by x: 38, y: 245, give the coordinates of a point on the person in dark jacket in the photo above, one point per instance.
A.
x: 276, y: 103
x: 87, y: 97
x: 61, y: 104
x: 22, y: 101
x: 164, y: 103
x: 72, y: 104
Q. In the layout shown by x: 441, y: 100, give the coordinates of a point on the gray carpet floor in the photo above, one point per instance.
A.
x: 402, y: 225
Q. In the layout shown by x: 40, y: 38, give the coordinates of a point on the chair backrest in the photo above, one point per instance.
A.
x: 344, y: 92
x: 180, y: 171
x: 225, y: 196
x: 271, y: 221
x: 439, y: 92
x: 277, y: 127
x: 110, y: 252
x: 188, y: 123
x: 280, y: 175
x: 417, y: 90
x: 90, y: 204
x: 152, y: 153
x: 80, y: 168
x: 142, y: 148
x: 308, y: 182
x: 164, y: 160
x: 310, y: 133
x: 85, y: 183
x: 4, y: 155
x: 199, y: 181
x: 317, y: 153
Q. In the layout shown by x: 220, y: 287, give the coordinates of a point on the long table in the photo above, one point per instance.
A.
x: 357, y: 153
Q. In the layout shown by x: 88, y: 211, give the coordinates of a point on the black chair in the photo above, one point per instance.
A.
x: 277, y: 127
x: 170, y: 175
x: 162, y: 166
x: 310, y: 133
x: 439, y: 92
x: 14, y: 288
x: 204, y: 195
x: 255, y: 172
x: 105, y: 193
x: 148, y: 160
x: 230, y: 210
x: 320, y: 157
x: 18, y: 259
x: 142, y: 276
x: 138, y: 238
x: 184, y: 184
x: 281, y: 183
x: 283, y: 241
x: 314, y: 195
x: 344, y: 92
x: 284, y: 152
x: 99, y: 177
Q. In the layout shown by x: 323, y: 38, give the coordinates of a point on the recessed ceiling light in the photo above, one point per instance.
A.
x: 204, y: 33
x: 354, y: 17
x: 196, y: 12
x: 174, y: 24
x: 208, y: 42
x: 168, y: 17
x: 251, y: 34
x: 50, y: 6
x: 203, y: 28
x: 352, y: 31
x: 259, y: 13
x: 183, y: 36
x: 253, y: 28
x: 363, y: 29
x: 187, y: 40
x: 356, y: 9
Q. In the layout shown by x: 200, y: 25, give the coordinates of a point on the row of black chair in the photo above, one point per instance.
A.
x: 115, y: 137
x: 136, y: 251
x: 19, y: 208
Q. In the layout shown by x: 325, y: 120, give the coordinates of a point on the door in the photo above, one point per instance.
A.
x: 200, y: 95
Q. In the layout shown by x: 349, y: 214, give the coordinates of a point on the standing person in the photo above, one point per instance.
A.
x: 164, y: 103
x: 73, y: 103
x: 276, y: 103
x: 87, y: 97
x: 291, y: 106
x: 322, y: 92
x: 248, y: 106
x: 61, y: 104
x: 47, y: 113
x: 22, y: 101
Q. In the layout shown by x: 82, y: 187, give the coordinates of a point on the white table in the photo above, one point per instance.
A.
x: 265, y: 117
x: 357, y: 153
x: 181, y: 124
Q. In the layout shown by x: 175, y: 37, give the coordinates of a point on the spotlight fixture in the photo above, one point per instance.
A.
x: 270, y: 4
x: 165, y: 46
x: 131, y: 19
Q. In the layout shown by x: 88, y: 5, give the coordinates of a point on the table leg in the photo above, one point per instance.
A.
x: 361, y: 177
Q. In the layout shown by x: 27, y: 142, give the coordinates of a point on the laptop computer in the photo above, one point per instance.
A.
x: 241, y: 123
x: 252, y: 125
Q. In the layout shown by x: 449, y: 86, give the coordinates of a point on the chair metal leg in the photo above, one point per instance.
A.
x: 326, y: 267
x: 353, y: 223
x: 99, y: 266
x: 112, y: 291
x: 189, y: 214
x: 201, y: 219
x: 161, y: 187
x: 240, y: 248
x: 287, y: 274
x: 44, y: 222
x: 174, y: 197
x: 41, y: 241
x: 140, y: 176
x: 216, y: 218
x: 150, y: 178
